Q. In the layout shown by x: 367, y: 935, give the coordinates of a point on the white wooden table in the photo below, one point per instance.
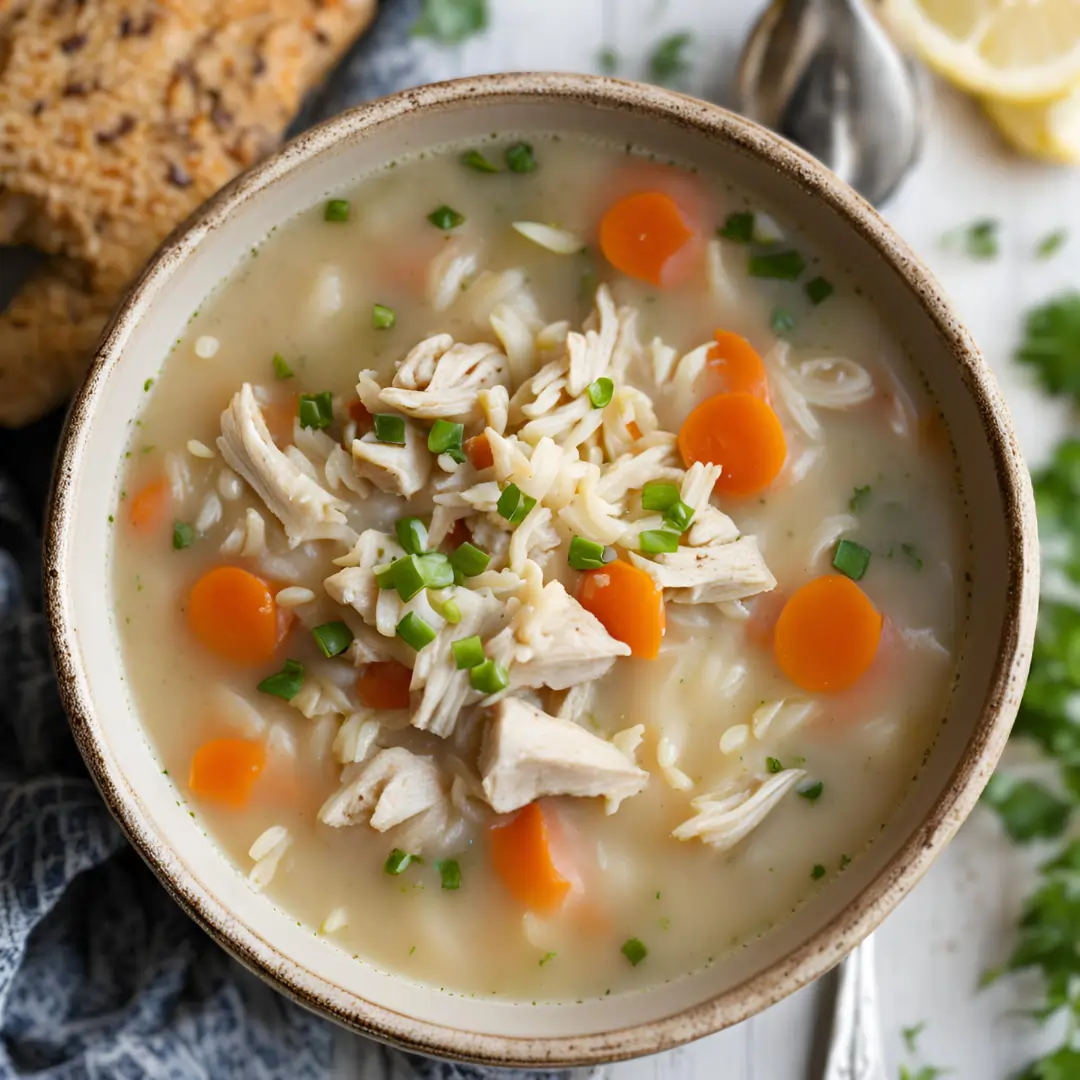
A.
x: 960, y: 920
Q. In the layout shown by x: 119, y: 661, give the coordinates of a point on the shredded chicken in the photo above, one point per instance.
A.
x: 394, y: 786
x: 710, y: 575
x: 402, y: 470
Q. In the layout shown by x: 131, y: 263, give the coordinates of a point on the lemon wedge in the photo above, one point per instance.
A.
x: 1022, y: 51
x: 1050, y: 131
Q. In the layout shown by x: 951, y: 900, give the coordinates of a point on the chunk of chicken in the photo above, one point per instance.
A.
x: 725, y: 822
x: 355, y: 586
x: 528, y: 754
x: 710, y: 575
x: 392, y: 787
x: 401, y: 470
x: 306, y: 510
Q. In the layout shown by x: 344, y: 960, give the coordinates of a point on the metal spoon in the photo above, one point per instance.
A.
x: 824, y: 74
x: 855, y: 1051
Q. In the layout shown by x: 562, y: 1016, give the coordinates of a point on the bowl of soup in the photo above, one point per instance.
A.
x: 538, y: 570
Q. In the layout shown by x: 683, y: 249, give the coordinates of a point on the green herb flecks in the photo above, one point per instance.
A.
x: 773, y: 765
x: 860, y: 496
x: 183, y: 535
x: 979, y: 240
x: 445, y: 218
x: 634, y: 950
x: 547, y: 958
x: 1028, y: 809
x: 473, y: 159
x: 778, y: 265
x: 818, y: 872
x: 285, y: 683
x: 450, y: 22
x: 811, y: 792
x: 607, y: 60
x: 336, y: 210
x: 782, y: 322
x: 912, y: 556
x: 818, y: 290
x: 520, y: 158
x: 1051, y: 345
x: 738, y: 228
x: 1051, y: 244
x: 668, y: 62
x: 910, y: 1035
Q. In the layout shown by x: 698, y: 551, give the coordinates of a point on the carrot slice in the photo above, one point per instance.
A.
x: 232, y: 612
x: 225, y: 770
x: 149, y: 509
x: 385, y: 685
x: 641, y: 233
x: 827, y: 635
x: 634, y: 430
x: 479, y: 452
x: 738, y: 364
x: 741, y: 433
x: 521, y: 858
x: 629, y: 604
x: 278, y: 417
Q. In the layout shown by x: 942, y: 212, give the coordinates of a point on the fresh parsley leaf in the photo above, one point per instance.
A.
x: 1051, y: 244
x: 979, y: 239
x: 451, y: 21
x: 924, y: 1072
x: 668, y: 63
x: 910, y: 1035
x: 1051, y: 345
x: 1028, y: 809
x: 1064, y: 1064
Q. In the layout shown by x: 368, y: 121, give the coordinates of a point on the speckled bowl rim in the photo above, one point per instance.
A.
x: 825, y: 948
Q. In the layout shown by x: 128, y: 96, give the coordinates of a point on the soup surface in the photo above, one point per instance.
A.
x: 539, y: 609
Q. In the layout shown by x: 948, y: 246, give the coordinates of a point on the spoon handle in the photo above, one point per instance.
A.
x: 855, y: 1051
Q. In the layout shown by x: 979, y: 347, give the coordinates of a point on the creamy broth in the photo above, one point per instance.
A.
x: 867, y: 461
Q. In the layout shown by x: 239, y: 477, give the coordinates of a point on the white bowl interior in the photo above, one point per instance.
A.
x: 313, y: 967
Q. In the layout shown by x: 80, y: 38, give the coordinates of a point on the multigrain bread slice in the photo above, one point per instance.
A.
x: 117, y: 118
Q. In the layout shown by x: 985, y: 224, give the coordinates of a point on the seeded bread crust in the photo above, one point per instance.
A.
x: 117, y: 118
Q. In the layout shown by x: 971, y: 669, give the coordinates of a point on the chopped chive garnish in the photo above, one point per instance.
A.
x: 183, y: 535
x: 398, y: 861
x: 659, y: 496
x: 858, y: 500
x: 333, y: 638
x: 634, y: 950
x: 773, y: 765
x: 781, y: 321
x: 520, y: 158
x: 739, y: 228
x: 819, y: 290
x: 779, y: 265
x: 489, y: 677
x: 659, y: 542
x: 412, y: 535
x: 445, y: 218
x: 281, y: 367
x: 475, y: 160
x: 587, y: 554
x: 911, y: 553
x: 146, y: 385
x: 468, y: 652
x: 445, y: 436
x: 1051, y: 243
x: 547, y: 958
x: 851, y: 559
x: 415, y: 632
x: 450, y: 612
x: 450, y: 873
x: 316, y: 410
x: 818, y: 872
x: 285, y: 683
x: 336, y: 210
x: 514, y: 505
x: 382, y: 317
x: 600, y: 392
x: 678, y: 516
x: 469, y: 560
x: 812, y: 792
x: 389, y: 428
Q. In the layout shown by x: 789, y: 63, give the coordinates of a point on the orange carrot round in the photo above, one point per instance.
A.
x: 521, y: 858
x: 149, y: 508
x: 641, y: 233
x: 629, y: 604
x: 827, y: 635
x: 739, y: 432
x: 232, y: 612
x: 225, y: 770
x: 385, y: 685
x: 479, y: 452
x: 738, y: 364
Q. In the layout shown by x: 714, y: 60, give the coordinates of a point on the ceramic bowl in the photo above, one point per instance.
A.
x: 1003, y: 582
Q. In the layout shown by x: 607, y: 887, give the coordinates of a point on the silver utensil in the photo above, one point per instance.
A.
x: 855, y: 1051
x: 824, y: 74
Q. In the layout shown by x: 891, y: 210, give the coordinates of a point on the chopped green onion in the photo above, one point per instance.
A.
x: 475, y: 160
x: 489, y: 677
x: 336, y: 210
x: 445, y: 218
x: 587, y: 554
x: 398, y: 861
x: 411, y: 573
x: 382, y: 317
x: 818, y: 872
x: 600, y: 392
x: 659, y: 496
x: 859, y: 497
x: 678, y: 517
x: 386, y: 577
x: 285, y: 683
x: 779, y: 265
x: 520, y: 158
x: 514, y: 505
x: 773, y: 765
x: 812, y: 792
x: 415, y: 632
x: 739, y: 228
x: 389, y: 429
x: 468, y: 652
x: 445, y: 437
x: 634, y: 950
x: 781, y: 321
x: 281, y: 367
x: 659, y: 542
x: 450, y: 873
x: 412, y: 535
x: 316, y: 410
x: 819, y: 290
x: 436, y: 570
x: 450, y: 612
x: 183, y: 535
x: 851, y: 559
x: 469, y: 560
x: 333, y: 638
